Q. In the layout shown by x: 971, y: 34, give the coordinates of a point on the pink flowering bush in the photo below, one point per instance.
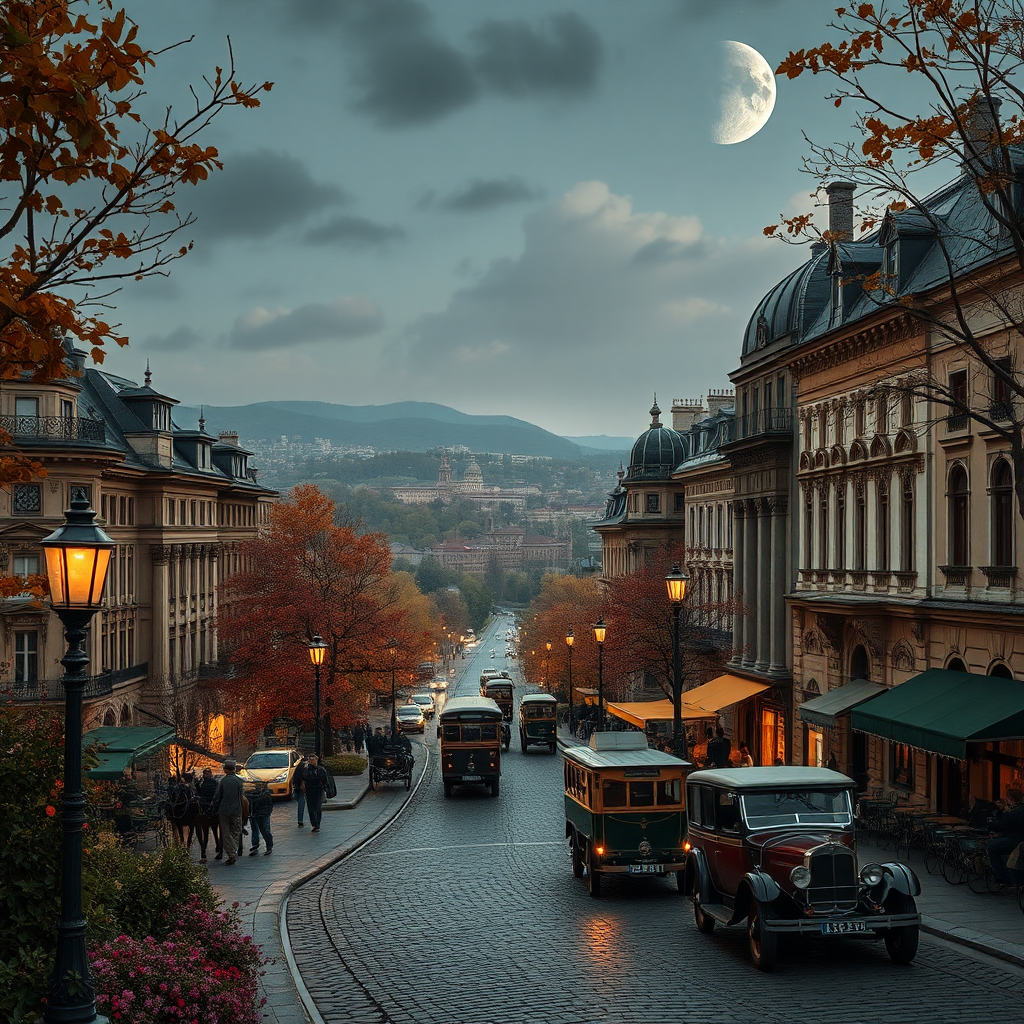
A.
x: 205, y: 972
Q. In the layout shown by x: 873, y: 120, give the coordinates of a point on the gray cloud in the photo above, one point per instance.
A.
x: 257, y: 194
x: 561, y: 57
x: 180, y: 339
x: 353, y: 232
x: 667, y: 250
x: 351, y: 316
x: 482, y: 194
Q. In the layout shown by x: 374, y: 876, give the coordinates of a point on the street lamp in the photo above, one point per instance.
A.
x: 77, y: 558
x: 569, y: 640
x: 599, y: 634
x: 317, y: 650
x: 393, y: 651
x: 677, y: 583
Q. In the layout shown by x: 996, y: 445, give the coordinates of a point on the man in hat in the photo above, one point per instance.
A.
x: 260, y: 807
x: 228, y: 804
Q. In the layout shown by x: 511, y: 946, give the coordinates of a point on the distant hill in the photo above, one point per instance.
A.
x: 400, y: 426
x: 600, y: 443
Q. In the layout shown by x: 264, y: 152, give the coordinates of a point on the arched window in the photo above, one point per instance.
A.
x: 883, y: 524
x: 860, y: 663
x: 808, y: 559
x: 907, y: 524
x: 860, y: 535
x: 1000, y: 670
x: 958, y: 499
x: 109, y: 718
x: 823, y: 527
x: 956, y: 665
x: 841, y: 525
x: 1002, y: 514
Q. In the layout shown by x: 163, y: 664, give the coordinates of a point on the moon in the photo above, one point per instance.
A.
x: 748, y: 94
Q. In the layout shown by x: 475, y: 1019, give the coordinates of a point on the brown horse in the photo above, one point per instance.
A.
x: 182, y: 809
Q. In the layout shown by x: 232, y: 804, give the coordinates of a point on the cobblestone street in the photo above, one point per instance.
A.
x: 465, y: 911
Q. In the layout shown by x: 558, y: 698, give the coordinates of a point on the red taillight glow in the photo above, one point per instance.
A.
x: 687, y: 847
x: 599, y: 851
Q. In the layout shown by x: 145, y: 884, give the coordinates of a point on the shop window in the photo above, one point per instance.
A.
x: 901, y: 765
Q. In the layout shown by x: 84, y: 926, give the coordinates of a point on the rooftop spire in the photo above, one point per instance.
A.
x: 202, y: 419
x: 655, y: 413
x: 149, y: 376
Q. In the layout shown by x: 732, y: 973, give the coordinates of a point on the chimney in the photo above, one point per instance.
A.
x: 980, y: 134
x: 840, y: 209
x: 724, y: 398
x: 686, y: 412
x: 229, y: 437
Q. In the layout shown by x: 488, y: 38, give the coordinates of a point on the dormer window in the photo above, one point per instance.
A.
x: 161, y: 417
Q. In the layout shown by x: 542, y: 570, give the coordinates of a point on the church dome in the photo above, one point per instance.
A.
x: 657, y: 451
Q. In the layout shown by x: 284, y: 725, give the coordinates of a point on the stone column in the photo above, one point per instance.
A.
x: 738, y: 619
x: 750, y: 598
x: 160, y: 555
x: 214, y: 566
x: 779, y: 586
x: 766, y: 597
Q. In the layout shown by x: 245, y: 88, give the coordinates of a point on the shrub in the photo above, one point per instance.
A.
x: 345, y: 764
x: 204, y: 971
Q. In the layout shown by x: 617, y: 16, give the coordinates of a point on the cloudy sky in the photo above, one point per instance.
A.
x: 507, y: 207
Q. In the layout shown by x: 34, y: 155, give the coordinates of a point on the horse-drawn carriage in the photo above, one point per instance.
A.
x: 393, y: 765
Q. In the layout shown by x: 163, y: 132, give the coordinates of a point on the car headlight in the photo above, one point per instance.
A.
x: 280, y: 778
x: 800, y: 876
x: 871, y: 874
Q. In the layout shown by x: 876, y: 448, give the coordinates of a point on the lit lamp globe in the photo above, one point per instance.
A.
x: 676, y: 583
x: 317, y: 650
x: 77, y: 559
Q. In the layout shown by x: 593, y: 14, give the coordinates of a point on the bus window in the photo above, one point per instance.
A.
x: 451, y: 733
x: 670, y: 792
x: 489, y: 732
x: 641, y: 794
x: 471, y: 734
x: 613, y: 793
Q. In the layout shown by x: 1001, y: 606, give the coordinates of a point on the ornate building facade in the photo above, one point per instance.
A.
x: 178, y: 503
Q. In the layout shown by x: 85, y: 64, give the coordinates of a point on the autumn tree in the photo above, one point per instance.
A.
x: 304, y: 576
x: 934, y: 90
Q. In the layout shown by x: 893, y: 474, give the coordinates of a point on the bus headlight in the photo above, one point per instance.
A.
x: 800, y: 876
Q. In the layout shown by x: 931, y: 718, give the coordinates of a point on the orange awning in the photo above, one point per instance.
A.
x: 723, y: 692
x: 639, y: 713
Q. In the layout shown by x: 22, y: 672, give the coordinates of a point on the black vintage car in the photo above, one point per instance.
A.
x: 775, y: 847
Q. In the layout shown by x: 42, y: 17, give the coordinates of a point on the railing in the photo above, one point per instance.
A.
x: 956, y: 421
x: 53, y: 428
x: 39, y: 690
x: 766, y: 421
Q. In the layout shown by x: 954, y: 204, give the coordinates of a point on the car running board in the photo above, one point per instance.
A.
x: 721, y: 913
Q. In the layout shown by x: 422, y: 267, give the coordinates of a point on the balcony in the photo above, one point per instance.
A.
x: 956, y: 422
x: 41, y: 429
x: 778, y: 421
x: 37, y: 691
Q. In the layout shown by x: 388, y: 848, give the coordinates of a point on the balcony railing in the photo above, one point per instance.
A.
x: 53, y: 428
x: 766, y: 421
x: 957, y: 421
x: 52, y: 690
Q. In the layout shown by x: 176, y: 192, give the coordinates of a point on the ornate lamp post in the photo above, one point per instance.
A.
x: 677, y: 583
x: 317, y: 650
x: 600, y: 631
x: 393, y: 651
x: 569, y: 640
x: 77, y: 559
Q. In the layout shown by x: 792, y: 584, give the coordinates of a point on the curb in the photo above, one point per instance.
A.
x: 274, y: 900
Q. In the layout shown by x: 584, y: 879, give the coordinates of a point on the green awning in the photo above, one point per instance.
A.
x: 821, y: 711
x: 121, y: 746
x: 942, y: 711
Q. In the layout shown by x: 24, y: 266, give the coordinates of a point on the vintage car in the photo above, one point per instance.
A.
x: 776, y: 847
x: 470, y: 731
x: 624, y: 809
x: 538, y: 721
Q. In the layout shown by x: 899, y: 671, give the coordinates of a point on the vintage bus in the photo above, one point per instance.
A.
x: 538, y: 721
x: 469, y: 729
x: 625, y: 809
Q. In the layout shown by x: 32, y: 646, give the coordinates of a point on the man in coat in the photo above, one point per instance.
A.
x: 228, y: 804
x: 314, y: 781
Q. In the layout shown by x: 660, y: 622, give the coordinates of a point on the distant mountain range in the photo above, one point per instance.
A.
x: 604, y: 443
x: 400, y: 426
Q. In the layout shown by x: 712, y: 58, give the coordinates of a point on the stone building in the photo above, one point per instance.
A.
x: 471, y: 488
x: 512, y: 548
x: 178, y: 503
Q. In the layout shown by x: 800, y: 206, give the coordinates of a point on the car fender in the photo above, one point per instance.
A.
x: 898, y: 877
x: 697, y: 880
x: 755, y: 886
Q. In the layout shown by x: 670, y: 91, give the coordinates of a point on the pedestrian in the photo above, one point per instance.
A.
x: 314, y: 781
x: 346, y: 739
x: 1008, y: 822
x: 357, y: 737
x: 260, y: 807
x: 375, y: 744
x: 719, y: 749
x: 300, y: 793
x: 207, y: 821
x: 228, y: 804
x: 746, y: 761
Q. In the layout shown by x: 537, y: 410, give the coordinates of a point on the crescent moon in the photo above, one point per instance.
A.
x: 748, y: 94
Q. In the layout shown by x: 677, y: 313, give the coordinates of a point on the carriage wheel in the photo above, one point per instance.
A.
x: 577, y: 856
x: 373, y: 780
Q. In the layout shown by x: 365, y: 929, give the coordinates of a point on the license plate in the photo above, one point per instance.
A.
x: 472, y: 778
x: 644, y: 869
x: 842, y: 927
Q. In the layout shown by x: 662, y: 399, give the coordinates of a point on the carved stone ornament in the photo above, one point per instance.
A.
x: 902, y: 656
x: 831, y: 628
x: 917, y: 631
x: 160, y: 553
x: 812, y: 642
x: 873, y: 633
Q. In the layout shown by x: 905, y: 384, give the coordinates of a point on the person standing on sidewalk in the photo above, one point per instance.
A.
x: 1009, y: 823
x: 357, y: 737
x: 228, y: 804
x: 260, y: 807
x: 300, y: 793
x: 313, y: 782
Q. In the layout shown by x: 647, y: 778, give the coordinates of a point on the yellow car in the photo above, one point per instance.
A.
x: 274, y: 767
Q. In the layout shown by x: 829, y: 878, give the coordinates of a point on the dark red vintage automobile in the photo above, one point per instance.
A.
x: 776, y: 847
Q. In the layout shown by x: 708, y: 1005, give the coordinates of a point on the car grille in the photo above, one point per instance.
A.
x: 833, y: 878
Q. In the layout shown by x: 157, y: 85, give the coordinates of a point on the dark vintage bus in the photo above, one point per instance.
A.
x: 625, y: 809
x: 538, y: 721
x: 469, y: 729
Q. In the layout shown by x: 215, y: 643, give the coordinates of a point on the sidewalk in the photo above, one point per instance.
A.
x: 990, y: 923
x: 260, y: 885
